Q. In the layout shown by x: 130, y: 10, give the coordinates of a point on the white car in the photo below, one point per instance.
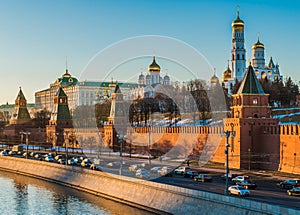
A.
x: 238, y: 190
x: 133, y: 168
x: 165, y: 171
x: 142, y: 173
x: 181, y: 170
x: 155, y: 169
x: 3, y: 153
x: 240, y: 178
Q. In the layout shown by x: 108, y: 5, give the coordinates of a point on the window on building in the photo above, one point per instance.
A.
x: 255, y: 101
x: 238, y: 56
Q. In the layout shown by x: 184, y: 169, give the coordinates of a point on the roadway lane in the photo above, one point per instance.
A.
x: 266, y: 191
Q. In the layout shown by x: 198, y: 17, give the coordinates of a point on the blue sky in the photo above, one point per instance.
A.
x: 36, y: 36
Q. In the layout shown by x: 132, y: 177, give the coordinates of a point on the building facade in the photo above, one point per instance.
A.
x: 80, y: 93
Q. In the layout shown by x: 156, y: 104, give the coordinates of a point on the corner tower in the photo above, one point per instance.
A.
x: 256, y: 142
x: 238, y: 52
x: 20, y: 114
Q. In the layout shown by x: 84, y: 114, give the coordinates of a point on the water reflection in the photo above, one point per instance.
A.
x: 24, y: 195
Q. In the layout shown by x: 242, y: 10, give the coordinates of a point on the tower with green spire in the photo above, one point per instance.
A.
x: 256, y: 140
x: 60, y: 120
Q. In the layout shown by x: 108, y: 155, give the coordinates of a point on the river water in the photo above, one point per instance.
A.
x: 24, y: 195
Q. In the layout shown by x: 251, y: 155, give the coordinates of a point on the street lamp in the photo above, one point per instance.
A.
x: 56, y: 141
x: 121, y: 139
x: 26, y: 135
x: 227, y: 135
x: 249, y: 159
x: 66, y: 145
x: 149, y: 140
x: 130, y: 143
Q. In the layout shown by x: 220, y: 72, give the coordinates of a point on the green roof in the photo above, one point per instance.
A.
x: 106, y: 84
x: 250, y: 84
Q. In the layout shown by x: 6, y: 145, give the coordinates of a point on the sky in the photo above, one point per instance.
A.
x: 37, y: 36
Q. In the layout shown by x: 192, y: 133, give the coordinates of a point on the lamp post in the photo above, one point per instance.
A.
x: 56, y: 141
x: 26, y: 133
x: 121, y: 139
x: 227, y: 135
x: 249, y: 159
x: 130, y: 143
x: 66, y: 145
x: 149, y: 139
x: 295, y: 154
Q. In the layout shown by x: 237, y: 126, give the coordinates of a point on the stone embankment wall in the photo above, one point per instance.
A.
x: 159, y: 198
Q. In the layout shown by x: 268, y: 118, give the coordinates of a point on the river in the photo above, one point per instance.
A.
x: 24, y: 195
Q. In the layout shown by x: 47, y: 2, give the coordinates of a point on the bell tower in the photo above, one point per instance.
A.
x: 238, y: 52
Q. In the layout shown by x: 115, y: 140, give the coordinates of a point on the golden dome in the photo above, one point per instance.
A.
x: 226, y: 75
x: 258, y: 44
x: 214, y: 79
x: 154, y: 66
x: 238, y: 22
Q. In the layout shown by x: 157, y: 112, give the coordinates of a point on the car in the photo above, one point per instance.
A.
x: 142, y: 173
x: 49, y: 159
x: 37, y: 156
x: 181, y: 170
x: 240, y: 178
x: 166, y: 171
x: 248, y: 184
x: 61, y: 161
x: 86, y: 163
x: 32, y: 154
x: 3, y: 153
x: 238, y: 190
x: 155, y: 169
x: 72, y: 162
x: 191, y: 174
x: 290, y: 183
x: 230, y: 176
x: 78, y: 161
x: 95, y: 167
x: 203, y: 178
x: 133, y: 168
x: 12, y: 153
x: 57, y: 157
x: 294, y: 191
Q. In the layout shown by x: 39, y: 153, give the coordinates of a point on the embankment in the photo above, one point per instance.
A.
x: 159, y: 198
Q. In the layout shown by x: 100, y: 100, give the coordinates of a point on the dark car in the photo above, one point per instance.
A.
x: 203, y: 178
x: 190, y: 174
x: 248, y: 184
x: 294, y: 191
x: 95, y: 167
x: 290, y: 183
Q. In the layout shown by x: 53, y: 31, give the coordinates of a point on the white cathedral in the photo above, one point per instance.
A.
x: 238, y: 59
x: 147, y: 84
